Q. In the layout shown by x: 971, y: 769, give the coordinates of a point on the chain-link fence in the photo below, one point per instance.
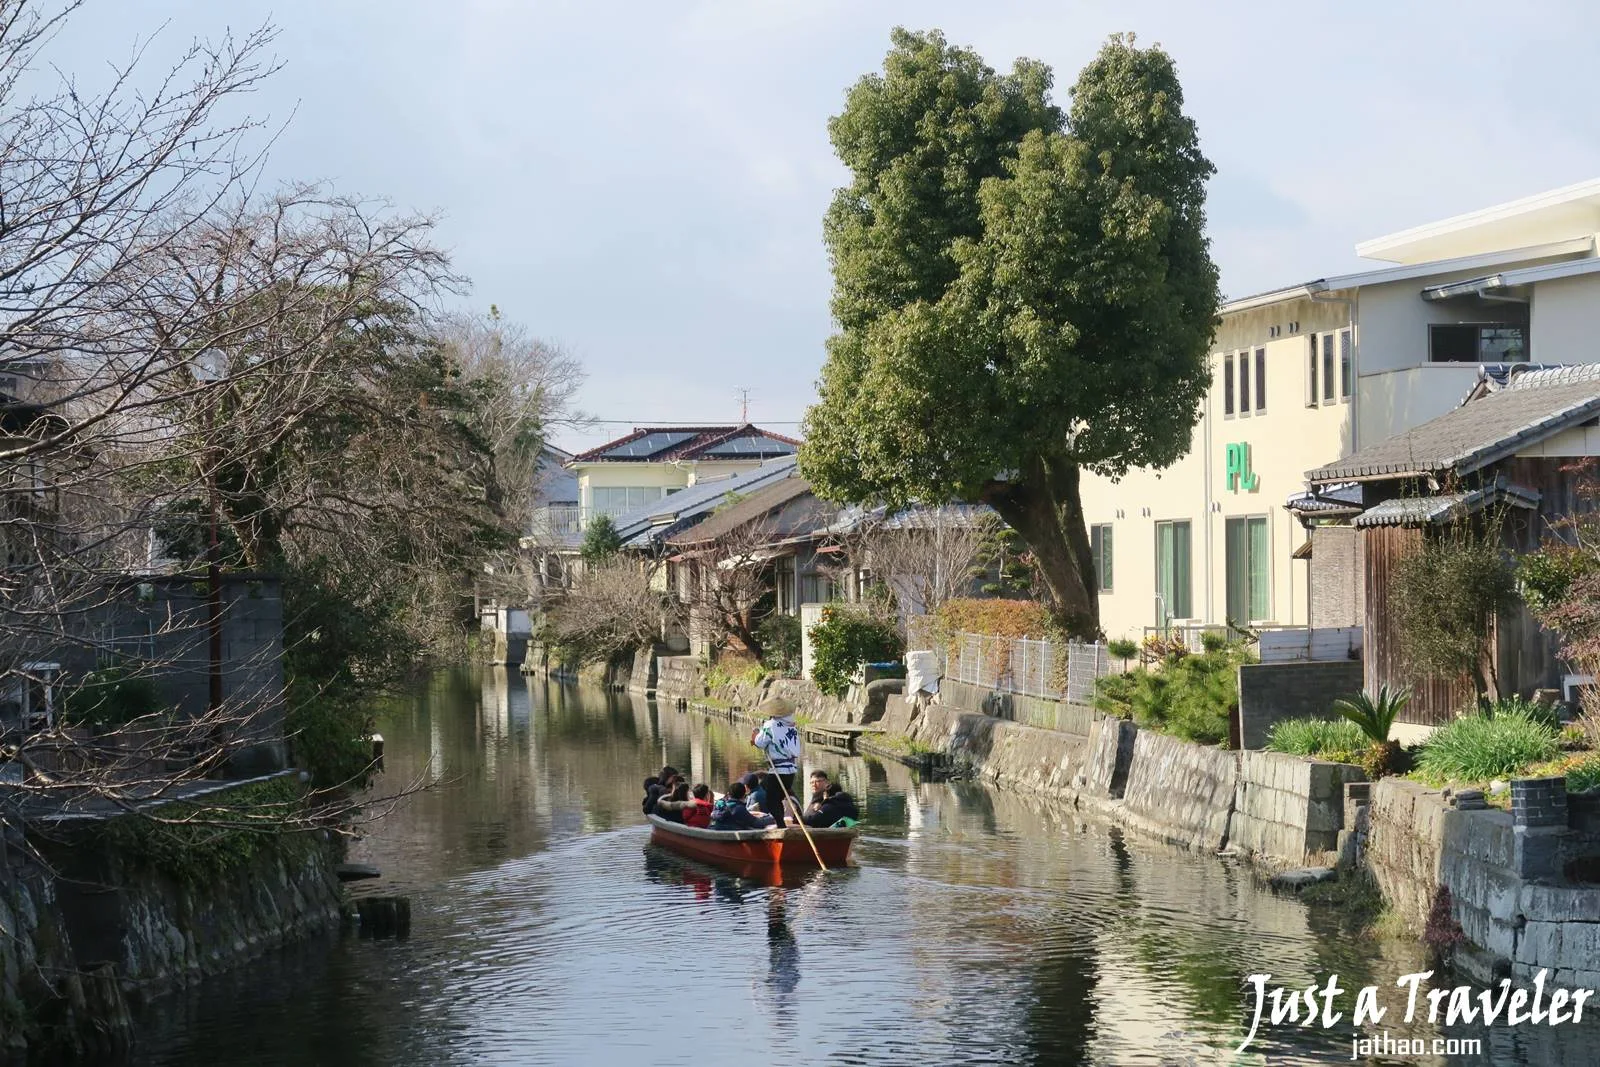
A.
x: 1029, y: 666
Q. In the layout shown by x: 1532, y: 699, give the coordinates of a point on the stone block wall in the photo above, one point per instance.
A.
x: 1181, y: 792
x: 1110, y: 754
x: 680, y: 676
x: 1029, y: 710
x: 1289, y: 808
x: 1418, y: 843
x: 1269, y: 692
x: 101, y: 924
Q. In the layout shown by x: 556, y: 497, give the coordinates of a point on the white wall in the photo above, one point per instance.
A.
x: 1565, y: 320
x: 1395, y: 401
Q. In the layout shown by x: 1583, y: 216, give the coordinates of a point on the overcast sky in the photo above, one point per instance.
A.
x: 644, y: 182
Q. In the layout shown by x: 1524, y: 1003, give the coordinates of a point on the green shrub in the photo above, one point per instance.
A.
x: 109, y: 697
x: 1583, y: 775
x: 1188, y: 696
x: 1317, y: 737
x: 1479, y: 747
x: 780, y: 643
x: 845, y: 638
x: 1123, y: 649
x: 601, y: 541
x: 1516, y: 705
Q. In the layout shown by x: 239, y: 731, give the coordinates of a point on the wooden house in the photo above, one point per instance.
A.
x: 1516, y: 447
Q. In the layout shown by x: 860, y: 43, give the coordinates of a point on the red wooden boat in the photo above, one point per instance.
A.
x: 755, y: 848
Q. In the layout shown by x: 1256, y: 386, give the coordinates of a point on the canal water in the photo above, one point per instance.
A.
x: 979, y: 926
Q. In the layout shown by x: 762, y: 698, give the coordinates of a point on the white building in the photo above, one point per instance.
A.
x: 1304, y: 375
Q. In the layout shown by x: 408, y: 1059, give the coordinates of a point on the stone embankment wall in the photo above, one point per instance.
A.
x: 104, y: 925
x: 1280, y: 809
x: 1506, y: 874
x: 684, y: 678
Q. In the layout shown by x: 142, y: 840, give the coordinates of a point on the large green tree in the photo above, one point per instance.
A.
x: 1021, y: 295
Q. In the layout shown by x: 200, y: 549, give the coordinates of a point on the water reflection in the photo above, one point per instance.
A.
x: 980, y: 926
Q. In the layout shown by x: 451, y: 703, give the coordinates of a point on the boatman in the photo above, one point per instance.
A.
x: 779, y: 740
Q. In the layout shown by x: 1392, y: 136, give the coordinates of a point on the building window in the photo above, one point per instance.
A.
x: 1249, y: 570
x: 1227, y: 386
x: 1244, y: 383
x: 620, y: 500
x: 1478, y: 342
x: 1261, y: 379
x: 1347, y: 366
x: 1100, y: 543
x: 1329, y: 384
x: 1311, y: 374
x: 816, y: 589
x: 1173, y: 571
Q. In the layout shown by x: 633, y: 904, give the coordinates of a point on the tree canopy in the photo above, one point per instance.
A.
x: 1021, y: 294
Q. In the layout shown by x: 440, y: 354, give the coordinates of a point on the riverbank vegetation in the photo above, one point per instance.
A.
x: 214, y: 377
x: 1186, y: 694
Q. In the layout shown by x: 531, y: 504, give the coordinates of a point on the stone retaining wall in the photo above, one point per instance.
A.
x: 1289, y: 808
x: 101, y: 925
x: 1181, y: 792
x: 1503, y: 893
x: 1015, y: 707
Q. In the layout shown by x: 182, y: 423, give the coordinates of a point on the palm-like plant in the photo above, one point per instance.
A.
x: 1375, y: 715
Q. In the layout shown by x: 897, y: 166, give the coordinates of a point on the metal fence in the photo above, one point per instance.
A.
x: 1029, y: 666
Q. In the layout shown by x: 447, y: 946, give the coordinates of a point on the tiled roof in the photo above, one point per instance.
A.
x: 657, y: 444
x: 1443, y: 507
x: 675, y: 513
x: 1345, y: 497
x: 1534, y: 405
x: 771, y: 503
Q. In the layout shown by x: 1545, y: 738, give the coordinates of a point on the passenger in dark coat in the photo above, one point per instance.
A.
x: 836, y: 804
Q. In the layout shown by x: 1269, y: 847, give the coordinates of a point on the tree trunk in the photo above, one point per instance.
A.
x: 1045, y: 506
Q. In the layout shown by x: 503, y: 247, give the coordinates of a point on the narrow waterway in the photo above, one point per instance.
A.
x: 979, y: 926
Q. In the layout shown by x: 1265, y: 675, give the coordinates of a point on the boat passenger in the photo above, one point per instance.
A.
x: 836, y: 804
x: 819, y: 787
x: 729, y: 813
x: 755, y: 797
x: 778, y: 738
x: 672, y: 806
x: 657, y: 786
x: 698, y: 813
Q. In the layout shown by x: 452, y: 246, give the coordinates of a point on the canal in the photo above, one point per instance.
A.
x: 979, y: 926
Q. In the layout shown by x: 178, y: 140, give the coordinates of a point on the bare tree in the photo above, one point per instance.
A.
x: 733, y: 581
x: 612, y: 607
x: 923, y: 556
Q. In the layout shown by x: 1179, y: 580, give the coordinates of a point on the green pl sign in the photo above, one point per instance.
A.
x: 1240, y: 476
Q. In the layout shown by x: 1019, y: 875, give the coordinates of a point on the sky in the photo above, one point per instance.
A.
x: 643, y: 183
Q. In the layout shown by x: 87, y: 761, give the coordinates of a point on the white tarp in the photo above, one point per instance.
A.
x: 922, y: 673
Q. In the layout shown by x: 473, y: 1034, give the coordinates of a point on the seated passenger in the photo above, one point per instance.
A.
x: 698, y: 813
x: 755, y: 797
x: 657, y: 785
x: 672, y: 806
x: 836, y: 804
x: 729, y: 813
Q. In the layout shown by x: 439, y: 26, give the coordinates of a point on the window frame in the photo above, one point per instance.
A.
x: 1227, y: 386
x: 1187, y: 589
x: 1477, y: 328
x: 1311, y: 373
x: 1261, y: 380
x: 1347, y: 365
x: 1243, y: 380
x: 1243, y: 530
x: 1102, y: 535
x: 1330, y: 387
